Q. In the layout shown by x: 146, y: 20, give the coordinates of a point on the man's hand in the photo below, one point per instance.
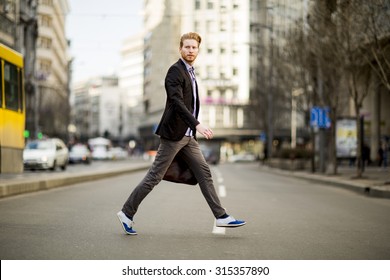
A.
x: 205, y: 131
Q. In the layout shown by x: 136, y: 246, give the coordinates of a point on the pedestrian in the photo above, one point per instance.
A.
x: 380, y: 154
x: 177, y: 131
x: 365, y: 155
x: 384, y: 154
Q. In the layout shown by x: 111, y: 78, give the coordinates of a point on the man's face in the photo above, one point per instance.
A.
x: 189, y: 51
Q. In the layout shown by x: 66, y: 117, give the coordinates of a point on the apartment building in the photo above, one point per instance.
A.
x: 222, y: 67
x: 37, y: 30
x: 131, y: 81
x: 98, y: 109
x: 52, y: 73
x: 9, y: 18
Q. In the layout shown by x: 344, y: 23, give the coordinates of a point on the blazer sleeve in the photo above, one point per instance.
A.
x: 174, y: 85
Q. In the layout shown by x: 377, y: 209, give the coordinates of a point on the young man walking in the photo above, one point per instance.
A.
x: 177, y: 130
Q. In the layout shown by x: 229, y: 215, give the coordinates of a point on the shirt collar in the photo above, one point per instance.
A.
x: 189, y: 67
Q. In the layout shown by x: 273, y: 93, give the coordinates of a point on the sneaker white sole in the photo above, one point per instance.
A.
x: 231, y: 225
x: 124, y: 229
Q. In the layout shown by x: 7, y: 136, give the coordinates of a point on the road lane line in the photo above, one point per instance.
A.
x: 218, y: 230
x: 222, y: 191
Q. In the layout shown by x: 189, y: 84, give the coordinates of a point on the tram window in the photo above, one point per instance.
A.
x: 11, y: 86
x: 1, y: 82
x: 20, y: 87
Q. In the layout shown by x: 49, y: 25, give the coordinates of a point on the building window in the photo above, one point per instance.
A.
x: 210, y: 26
x: 196, y: 26
x: 45, y: 42
x: 45, y: 20
x: 226, y: 117
x: 197, y: 4
x: 240, y: 118
x: 235, y: 71
x: 236, y: 26
x: 210, y: 5
x: 210, y: 72
x: 222, y: 26
x: 46, y: 2
x: 44, y: 67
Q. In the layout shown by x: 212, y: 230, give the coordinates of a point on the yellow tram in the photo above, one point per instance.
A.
x: 12, y: 111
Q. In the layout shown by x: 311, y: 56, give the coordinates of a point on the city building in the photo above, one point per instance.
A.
x: 97, y: 110
x: 50, y: 114
x: 131, y: 81
x: 162, y: 23
x: 19, y: 31
x: 222, y: 69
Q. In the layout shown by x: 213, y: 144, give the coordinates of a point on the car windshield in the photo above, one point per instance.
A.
x: 39, y: 145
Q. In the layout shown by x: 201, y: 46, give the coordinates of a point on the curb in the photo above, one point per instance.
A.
x: 358, y: 187
x: 28, y: 186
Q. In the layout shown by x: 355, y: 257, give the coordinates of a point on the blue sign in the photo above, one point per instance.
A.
x: 263, y: 137
x: 319, y: 117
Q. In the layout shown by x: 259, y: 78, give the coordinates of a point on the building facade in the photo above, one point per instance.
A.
x: 222, y: 68
x: 37, y: 30
x: 98, y: 110
x: 131, y: 81
x: 50, y: 115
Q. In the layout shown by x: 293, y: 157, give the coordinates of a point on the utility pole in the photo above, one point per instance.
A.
x: 270, y: 134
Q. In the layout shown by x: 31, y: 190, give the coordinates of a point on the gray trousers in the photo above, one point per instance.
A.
x: 190, y: 151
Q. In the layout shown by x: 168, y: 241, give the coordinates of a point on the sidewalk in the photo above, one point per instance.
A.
x: 375, y: 181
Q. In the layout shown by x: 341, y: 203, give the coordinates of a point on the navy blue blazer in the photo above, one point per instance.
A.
x: 177, y: 116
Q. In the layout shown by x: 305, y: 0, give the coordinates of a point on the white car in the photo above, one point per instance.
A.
x: 45, y: 154
x: 80, y: 153
x: 242, y: 157
x: 118, y: 153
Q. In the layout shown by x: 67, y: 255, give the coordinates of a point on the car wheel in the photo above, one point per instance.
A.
x: 54, y: 166
x: 63, y: 168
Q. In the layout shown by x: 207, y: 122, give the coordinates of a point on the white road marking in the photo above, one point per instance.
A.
x: 222, y: 191
x: 218, y: 230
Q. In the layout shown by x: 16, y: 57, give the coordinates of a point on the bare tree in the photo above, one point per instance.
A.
x: 374, y: 18
x: 328, y: 71
x: 362, y: 33
x: 299, y: 66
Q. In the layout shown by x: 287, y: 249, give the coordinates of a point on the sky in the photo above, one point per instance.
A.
x: 97, y: 29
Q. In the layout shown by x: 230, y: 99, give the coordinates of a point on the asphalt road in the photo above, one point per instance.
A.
x: 286, y: 218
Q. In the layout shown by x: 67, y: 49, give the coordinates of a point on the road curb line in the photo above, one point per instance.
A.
x: 12, y: 189
x: 363, y: 189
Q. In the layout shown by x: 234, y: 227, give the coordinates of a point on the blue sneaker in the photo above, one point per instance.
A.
x: 229, y: 222
x: 126, y: 223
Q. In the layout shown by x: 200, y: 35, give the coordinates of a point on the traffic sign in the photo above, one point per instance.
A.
x: 319, y: 117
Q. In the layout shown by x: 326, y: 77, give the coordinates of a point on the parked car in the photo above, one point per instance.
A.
x: 80, y: 153
x: 242, y: 157
x: 118, y: 153
x: 100, y: 153
x: 45, y: 154
x: 210, y: 156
